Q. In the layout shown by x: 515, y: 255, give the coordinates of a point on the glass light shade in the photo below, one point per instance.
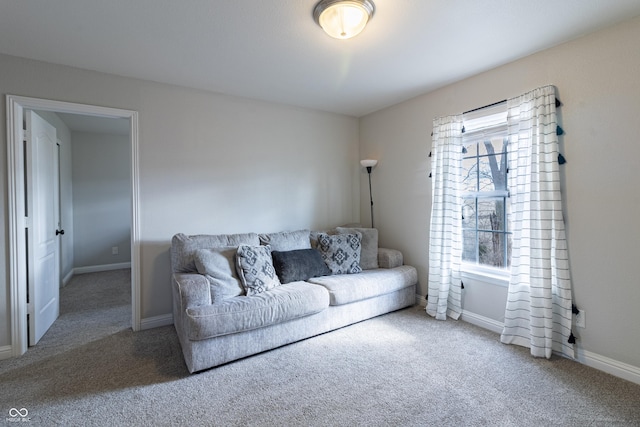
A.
x: 343, y: 19
x: 368, y: 163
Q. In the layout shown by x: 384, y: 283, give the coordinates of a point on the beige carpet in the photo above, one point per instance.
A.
x: 403, y: 368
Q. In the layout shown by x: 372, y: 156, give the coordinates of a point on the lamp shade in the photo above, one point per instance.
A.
x: 368, y: 163
x: 343, y: 19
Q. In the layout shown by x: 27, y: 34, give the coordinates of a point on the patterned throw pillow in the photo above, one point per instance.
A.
x: 369, y: 245
x: 341, y: 252
x: 255, y: 268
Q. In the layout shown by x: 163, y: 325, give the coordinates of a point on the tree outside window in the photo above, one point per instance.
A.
x: 486, y: 237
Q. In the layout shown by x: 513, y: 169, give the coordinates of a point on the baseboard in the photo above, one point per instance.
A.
x: 594, y: 360
x: 66, y: 279
x: 99, y: 268
x: 6, y: 352
x: 608, y: 365
x: 156, y: 321
x: 482, y: 321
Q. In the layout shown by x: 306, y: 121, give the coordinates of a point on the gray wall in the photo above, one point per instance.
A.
x: 101, y: 198
x: 597, y: 80
x: 209, y: 163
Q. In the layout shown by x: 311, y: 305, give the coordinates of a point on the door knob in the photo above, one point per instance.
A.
x: 59, y: 232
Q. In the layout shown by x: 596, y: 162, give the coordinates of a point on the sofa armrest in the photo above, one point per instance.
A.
x: 192, y: 289
x: 389, y: 258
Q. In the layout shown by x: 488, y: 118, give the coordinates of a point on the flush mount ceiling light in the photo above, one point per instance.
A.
x: 343, y: 19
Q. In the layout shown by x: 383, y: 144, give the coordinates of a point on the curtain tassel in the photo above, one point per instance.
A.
x: 574, y: 309
x: 572, y: 339
x: 461, y: 285
x: 429, y: 174
x: 561, y: 159
x: 559, y: 131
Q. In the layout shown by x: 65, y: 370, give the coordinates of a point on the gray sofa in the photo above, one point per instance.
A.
x: 218, y: 322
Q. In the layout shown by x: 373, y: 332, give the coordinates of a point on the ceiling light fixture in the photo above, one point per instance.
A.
x: 343, y: 19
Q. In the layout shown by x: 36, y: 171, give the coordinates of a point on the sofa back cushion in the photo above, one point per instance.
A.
x: 287, y: 240
x: 183, y: 247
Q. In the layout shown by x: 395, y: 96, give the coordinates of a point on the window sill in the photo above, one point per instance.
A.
x: 493, y: 276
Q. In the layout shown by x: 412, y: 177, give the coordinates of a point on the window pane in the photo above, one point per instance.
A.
x: 469, y: 175
x: 491, y: 248
x: 472, y: 150
x: 492, y: 173
x: 496, y: 145
x: 469, y: 213
x: 491, y: 214
x: 469, y: 246
x: 486, y: 239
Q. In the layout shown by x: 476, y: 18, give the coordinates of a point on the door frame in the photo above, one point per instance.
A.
x: 16, y: 204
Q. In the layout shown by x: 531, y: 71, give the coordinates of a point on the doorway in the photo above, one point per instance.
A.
x: 16, y: 107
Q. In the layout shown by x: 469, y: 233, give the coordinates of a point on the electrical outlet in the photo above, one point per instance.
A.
x: 581, y: 319
x: 114, y: 250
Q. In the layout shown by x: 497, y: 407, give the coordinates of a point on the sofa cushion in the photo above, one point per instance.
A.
x: 300, y: 264
x: 255, y: 269
x: 345, y: 289
x: 283, y: 303
x: 218, y: 265
x: 341, y: 252
x: 183, y: 247
x: 286, y: 240
x: 369, y: 245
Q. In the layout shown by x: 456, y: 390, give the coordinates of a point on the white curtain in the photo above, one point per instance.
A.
x: 445, y: 241
x: 538, y: 312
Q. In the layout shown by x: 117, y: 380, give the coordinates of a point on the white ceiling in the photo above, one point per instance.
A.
x: 272, y: 49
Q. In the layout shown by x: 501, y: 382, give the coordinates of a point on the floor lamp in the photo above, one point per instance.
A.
x: 369, y: 164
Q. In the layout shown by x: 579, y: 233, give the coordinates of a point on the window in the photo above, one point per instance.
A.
x: 485, y: 211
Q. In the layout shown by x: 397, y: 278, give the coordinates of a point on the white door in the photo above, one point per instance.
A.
x: 42, y: 212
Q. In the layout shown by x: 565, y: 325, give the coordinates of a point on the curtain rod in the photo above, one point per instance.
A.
x: 486, y: 106
x: 558, y: 104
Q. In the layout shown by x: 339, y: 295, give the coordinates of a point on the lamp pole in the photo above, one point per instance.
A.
x: 370, y: 193
x: 369, y: 164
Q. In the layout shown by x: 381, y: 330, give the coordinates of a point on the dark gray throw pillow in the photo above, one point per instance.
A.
x: 299, y: 264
